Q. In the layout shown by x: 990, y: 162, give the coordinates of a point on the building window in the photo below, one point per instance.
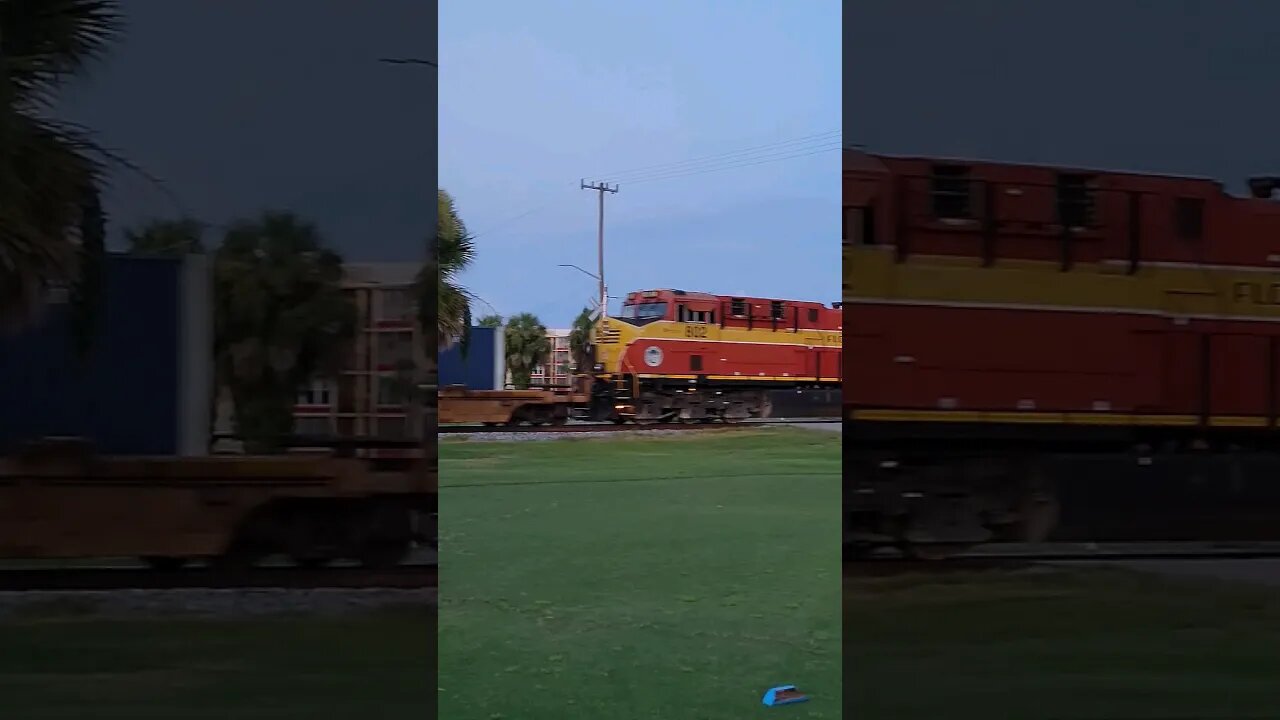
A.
x: 317, y: 393
x: 738, y: 307
x: 1075, y: 201
x: 393, y: 390
x: 313, y: 427
x: 395, y: 348
x: 950, y: 192
x: 1189, y: 217
x: 396, y: 305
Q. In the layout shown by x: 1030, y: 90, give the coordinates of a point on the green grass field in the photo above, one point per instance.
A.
x: 1070, y: 644
x: 61, y: 667
x: 672, y: 578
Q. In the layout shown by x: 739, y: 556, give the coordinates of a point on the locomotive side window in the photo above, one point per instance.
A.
x: 1075, y: 200
x: 813, y: 315
x: 950, y: 192
x: 858, y: 226
x: 1188, y: 216
x: 737, y: 307
x: 776, y: 309
x: 695, y: 362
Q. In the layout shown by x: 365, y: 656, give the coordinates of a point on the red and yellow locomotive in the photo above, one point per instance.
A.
x: 675, y: 355
x: 1055, y: 353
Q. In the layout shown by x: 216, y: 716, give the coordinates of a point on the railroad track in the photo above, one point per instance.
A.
x: 968, y: 562
x: 402, y: 577
x: 629, y: 427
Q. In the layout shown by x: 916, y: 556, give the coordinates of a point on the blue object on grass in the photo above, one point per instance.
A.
x: 783, y: 695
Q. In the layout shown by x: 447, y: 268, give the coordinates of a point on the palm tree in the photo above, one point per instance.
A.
x: 454, y: 252
x: 51, y: 220
x: 580, y: 341
x: 167, y: 237
x: 527, y: 347
x: 281, y: 319
x: 490, y: 321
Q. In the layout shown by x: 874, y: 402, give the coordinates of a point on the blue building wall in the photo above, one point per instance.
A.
x: 483, y: 368
x: 124, y: 395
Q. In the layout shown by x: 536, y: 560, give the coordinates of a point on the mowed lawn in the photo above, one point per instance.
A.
x: 672, y: 578
x: 362, y: 667
x: 1067, y: 645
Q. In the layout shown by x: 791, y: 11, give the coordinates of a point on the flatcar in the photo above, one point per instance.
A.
x: 1056, y: 353
x: 672, y: 355
x: 538, y: 406
x: 58, y: 499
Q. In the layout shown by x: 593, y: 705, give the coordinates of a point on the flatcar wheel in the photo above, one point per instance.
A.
x: 382, y: 555
x: 237, y: 559
x: 933, y: 552
x: 164, y: 563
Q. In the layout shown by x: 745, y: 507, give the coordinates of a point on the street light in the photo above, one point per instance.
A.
x: 593, y: 276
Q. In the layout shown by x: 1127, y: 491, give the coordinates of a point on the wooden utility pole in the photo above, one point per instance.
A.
x: 601, y: 189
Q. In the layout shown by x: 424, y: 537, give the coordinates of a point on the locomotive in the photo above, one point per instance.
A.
x: 672, y: 355
x: 1043, y: 353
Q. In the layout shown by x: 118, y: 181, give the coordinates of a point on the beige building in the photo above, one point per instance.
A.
x: 372, y: 396
x: 558, y: 370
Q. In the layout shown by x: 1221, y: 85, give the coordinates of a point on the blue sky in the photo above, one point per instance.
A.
x: 535, y: 96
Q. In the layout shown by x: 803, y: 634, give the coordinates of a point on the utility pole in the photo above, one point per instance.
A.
x: 601, y: 189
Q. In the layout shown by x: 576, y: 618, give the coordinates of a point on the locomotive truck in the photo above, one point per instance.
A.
x: 1042, y: 353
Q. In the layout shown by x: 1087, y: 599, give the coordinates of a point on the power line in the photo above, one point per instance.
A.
x: 508, y: 221
x: 803, y: 146
x: 734, y: 166
x: 664, y: 167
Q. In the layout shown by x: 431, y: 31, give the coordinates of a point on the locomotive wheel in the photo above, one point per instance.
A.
x: 1039, y: 518
x: 164, y: 563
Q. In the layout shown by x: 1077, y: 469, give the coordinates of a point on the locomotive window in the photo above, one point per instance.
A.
x: 950, y: 192
x: 813, y: 315
x: 695, y: 362
x: 1189, y: 217
x: 776, y: 309
x: 1075, y: 200
x: 737, y: 307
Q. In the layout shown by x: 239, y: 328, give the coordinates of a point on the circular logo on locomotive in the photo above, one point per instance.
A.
x: 653, y: 356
